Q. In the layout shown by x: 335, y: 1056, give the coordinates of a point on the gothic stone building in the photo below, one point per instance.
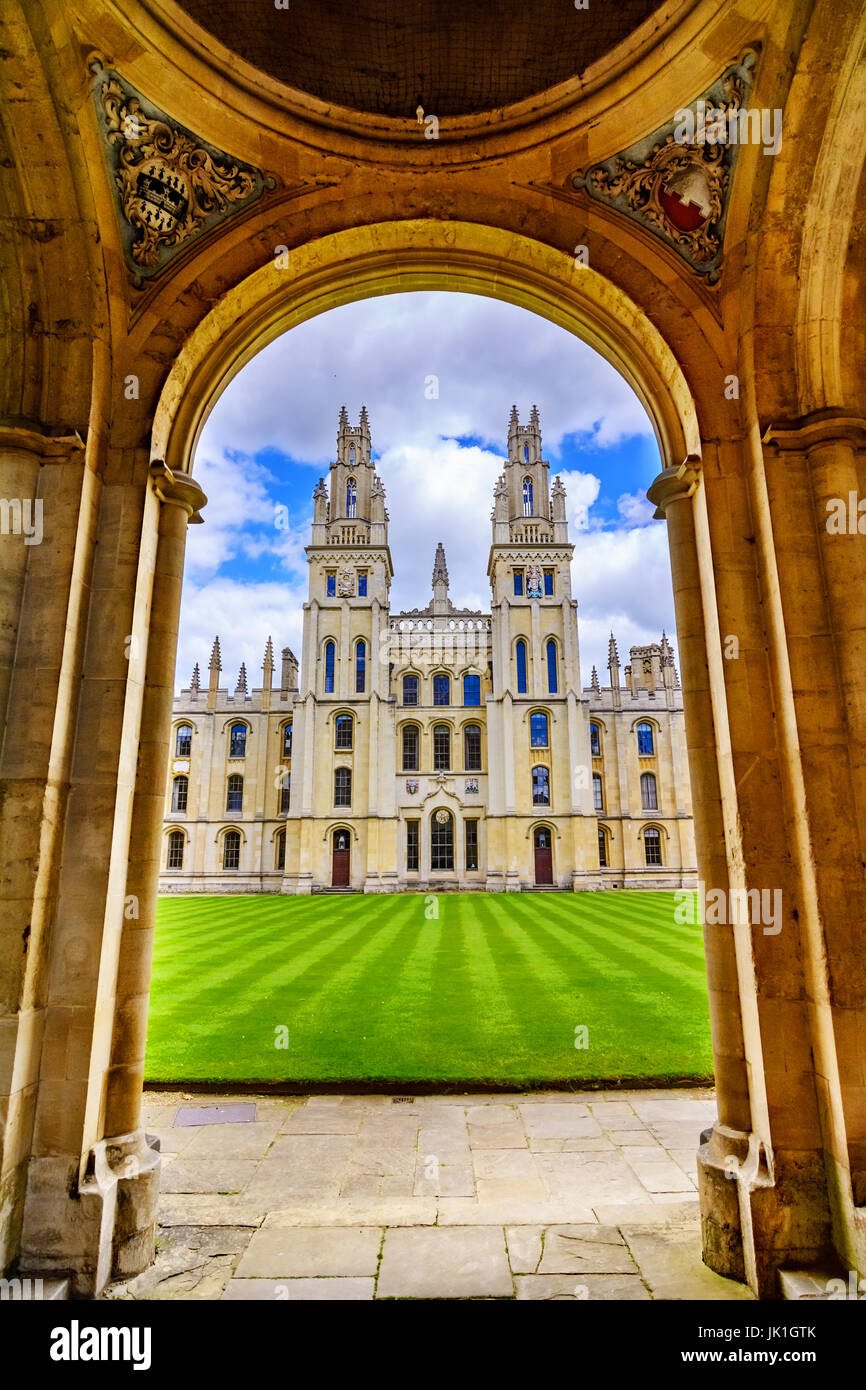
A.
x: 439, y: 748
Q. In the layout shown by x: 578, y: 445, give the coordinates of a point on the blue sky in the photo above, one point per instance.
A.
x: 272, y: 434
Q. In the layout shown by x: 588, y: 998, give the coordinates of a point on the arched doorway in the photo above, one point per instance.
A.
x: 341, y: 854
x: 543, y: 845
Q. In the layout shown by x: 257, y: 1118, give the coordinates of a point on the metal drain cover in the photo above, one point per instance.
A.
x: 402, y: 1100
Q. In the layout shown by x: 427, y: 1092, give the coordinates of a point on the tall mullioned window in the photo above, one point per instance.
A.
x: 472, y: 690
x: 441, y: 690
x: 183, y: 741
x: 652, y: 846
x: 470, y: 828
x: 351, y: 497
x: 175, y: 850
x: 538, y: 733
x: 594, y: 741
x: 281, y: 850
x: 285, y: 793
x: 442, y: 840
x: 330, y: 653
x: 238, y: 741
x: 410, y: 690
x: 649, y: 799
x: 645, y: 744
x: 287, y: 741
x: 472, y: 748
x: 602, y: 850
x: 518, y: 582
x: 231, y: 849
x: 410, y: 748
x: 520, y: 657
x: 343, y: 786
x: 552, y: 675
x: 597, y: 792
x: 179, y: 793
x: 343, y: 731
x: 527, y: 490
x: 360, y: 668
x: 548, y: 583
x: 235, y: 793
x: 540, y: 786
x: 413, y: 853
x: 362, y: 583
x: 441, y: 748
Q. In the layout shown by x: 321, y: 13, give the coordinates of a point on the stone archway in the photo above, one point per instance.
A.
x: 84, y: 758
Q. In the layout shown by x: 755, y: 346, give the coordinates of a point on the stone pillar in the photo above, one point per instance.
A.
x: 180, y: 499
x: 48, y: 496
x: 673, y: 493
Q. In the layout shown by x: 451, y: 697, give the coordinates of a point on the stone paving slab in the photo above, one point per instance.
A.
x: 231, y: 1141
x: 585, y: 1288
x: 395, y: 1211
x: 670, y: 1262
x: 282, y: 1251
x: 299, y: 1290
x: 223, y: 1175
x: 207, y: 1209
x: 437, y: 1263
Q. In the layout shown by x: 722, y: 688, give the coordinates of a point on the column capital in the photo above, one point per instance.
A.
x: 803, y: 435
x: 674, y: 484
x: 178, y: 489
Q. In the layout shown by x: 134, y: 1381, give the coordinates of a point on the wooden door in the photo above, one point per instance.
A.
x: 543, y: 857
x: 340, y: 860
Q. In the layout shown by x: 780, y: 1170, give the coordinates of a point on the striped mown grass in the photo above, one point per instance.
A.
x: 371, y: 988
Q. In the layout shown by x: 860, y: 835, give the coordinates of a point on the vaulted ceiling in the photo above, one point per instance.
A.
x: 456, y: 57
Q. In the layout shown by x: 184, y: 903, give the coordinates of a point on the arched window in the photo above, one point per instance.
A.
x: 602, y: 849
x: 540, y: 786
x: 526, y: 453
x: 183, y: 741
x: 287, y: 741
x: 441, y: 690
x: 645, y: 745
x: 235, y: 793
x: 442, y: 840
x: 527, y: 488
x: 472, y: 690
x: 281, y: 850
x: 343, y: 786
x: 472, y: 748
x: 360, y: 668
x: 594, y: 741
x: 238, y: 741
x: 329, y: 668
x: 597, y: 792
x: 231, y: 849
x: 285, y: 793
x: 520, y: 654
x: 410, y: 747
x: 179, y: 793
x: 175, y: 850
x: 410, y: 690
x: 343, y: 731
x: 351, y: 493
x: 538, y: 735
x: 552, y: 679
x: 652, y: 841
x: 648, y: 792
x: 441, y: 748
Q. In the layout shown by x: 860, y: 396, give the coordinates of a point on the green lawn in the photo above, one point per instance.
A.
x: 370, y: 988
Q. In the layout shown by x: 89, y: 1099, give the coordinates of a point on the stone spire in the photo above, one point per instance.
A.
x: 195, y: 683
x: 267, y: 674
x: 241, y: 687
x: 214, y: 666
x: 613, y: 668
x: 594, y: 685
x: 534, y: 422
x: 344, y: 419
x: 441, y: 602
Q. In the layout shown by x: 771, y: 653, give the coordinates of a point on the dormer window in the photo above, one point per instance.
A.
x: 351, y: 492
x: 527, y: 493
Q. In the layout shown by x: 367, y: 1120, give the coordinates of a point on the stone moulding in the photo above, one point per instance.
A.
x: 170, y: 186
x: 680, y: 190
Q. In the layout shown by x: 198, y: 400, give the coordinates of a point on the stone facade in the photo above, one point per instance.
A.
x: 437, y: 749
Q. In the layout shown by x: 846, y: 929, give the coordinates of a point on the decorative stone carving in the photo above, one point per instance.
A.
x: 442, y: 815
x: 679, y: 188
x: 170, y: 186
x: 471, y: 786
x: 346, y: 583
x: 411, y: 785
x: 534, y: 581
